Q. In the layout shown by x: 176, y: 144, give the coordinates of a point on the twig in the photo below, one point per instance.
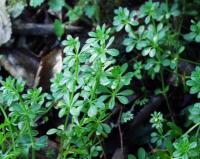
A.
x: 120, y: 133
x: 104, y: 154
x: 40, y: 29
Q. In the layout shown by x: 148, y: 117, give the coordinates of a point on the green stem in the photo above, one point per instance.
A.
x: 30, y: 134
x: 189, y: 61
x: 192, y: 128
x: 197, y: 133
x: 74, y: 84
x: 178, y: 74
x: 106, y: 118
x: 46, y: 111
x: 182, y: 18
x: 164, y: 93
x: 28, y: 122
x: 9, y: 127
x: 97, y: 78
x: 79, y: 16
x: 71, y: 100
x: 167, y: 3
x: 26, y: 111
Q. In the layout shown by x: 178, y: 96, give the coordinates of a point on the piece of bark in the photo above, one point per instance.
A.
x: 36, y: 71
x: 20, y: 63
x: 5, y: 24
x: 118, y: 154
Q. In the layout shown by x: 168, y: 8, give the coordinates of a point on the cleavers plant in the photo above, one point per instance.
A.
x: 86, y: 92
x: 91, y: 84
x: 18, y: 133
x: 151, y: 38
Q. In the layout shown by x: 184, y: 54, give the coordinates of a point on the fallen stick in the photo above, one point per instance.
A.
x: 40, y: 29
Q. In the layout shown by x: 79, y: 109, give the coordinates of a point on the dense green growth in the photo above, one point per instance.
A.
x: 92, y: 83
x: 89, y: 8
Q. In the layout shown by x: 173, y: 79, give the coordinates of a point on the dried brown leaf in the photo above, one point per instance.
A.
x: 50, y: 65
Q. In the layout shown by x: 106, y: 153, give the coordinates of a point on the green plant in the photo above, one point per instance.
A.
x: 135, y: 39
x: 183, y: 148
x: 92, y: 83
x: 195, y: 113
x: 124, y: 18
x: 15, y: 7
x: 195, y: 32
x: 141, y: 101
x: 169, y: 139
x: 149, y: 11
x: 59, y: 28
x: 86, y: 91
x: 126, y: 116
x: 152, y: 37
x: 24, y: 110
x: 56, y: 5
x: 194, y: 82
x: 141, y: 153
x: 151, y: 40
x: 157, y: 120
x: 88, y: 8
x: 35, y: 3
x: 176, y: 144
